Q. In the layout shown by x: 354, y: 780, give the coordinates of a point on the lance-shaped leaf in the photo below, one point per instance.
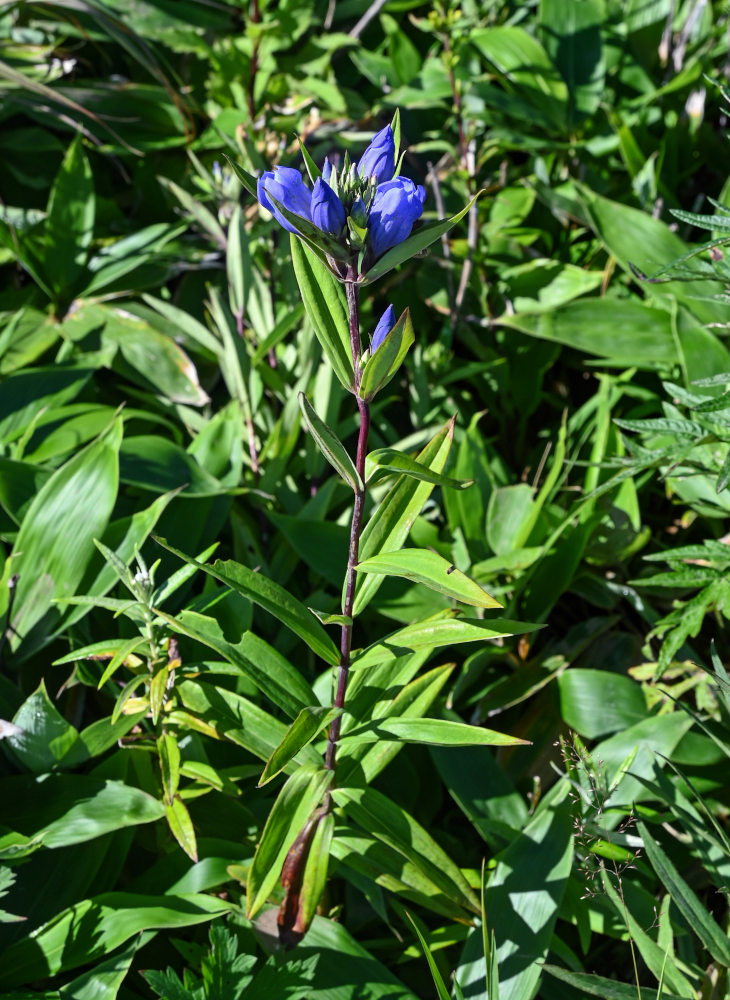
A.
x: 415, y: 243
x: 389, y: 526
x: 330, y: 445
x: 387, y: 821
x: 297, y: 800
x: 325, y: 306
x: 432, y: 732
x: 382, y: 365
x: 315, y: 872
x: 306, y: 727
x: 436, y: 632
x: 272, y: 597
x: 385, y: 462
x: 431, y: 569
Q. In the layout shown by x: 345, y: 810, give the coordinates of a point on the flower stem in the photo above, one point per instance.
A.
x: 352, y: 291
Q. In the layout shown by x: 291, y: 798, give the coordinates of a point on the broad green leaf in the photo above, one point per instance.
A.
x: 527, y: 70
x: 694, y: 912
x: 522, y: 902
x: 330, y: 445
x: 272, y: 674
x: 69, y: 222
x: 94, y: 927
x: 597, y: 702
x: 387, y: 821
x: 436, y: 632
x: 433, y: 732
x: 414, y: 244
x: 428, y: 567
x: 607, y: 989
x: 306, y: 727
x: 391, y: 523
x: 383, y: 462
x: 55, y: 543
x: 571, y: 33
x: 45, y: 737
x: 382, y: 365
x: 104, y: 980
x: 625, y: 330
x: 272, y: 597
x: 66, y: 809
x: 223, y: 714
x: 325, y: 306
x: 377, y: 862
x: 294, y: 805
x: 125, y: 537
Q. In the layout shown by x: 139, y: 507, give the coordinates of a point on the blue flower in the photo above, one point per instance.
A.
x: 385, y: 325
x: 328, y: 213
x: 395, y: 207
x: 286, y: 185
x: 378, y: 160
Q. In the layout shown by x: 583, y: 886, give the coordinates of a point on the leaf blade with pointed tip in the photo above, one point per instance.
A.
x: 330, y: 445
x: 306, y: 727
x: 416, y: 242
x: 432, y: 570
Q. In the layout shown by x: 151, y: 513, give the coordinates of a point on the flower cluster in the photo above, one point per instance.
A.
x: 363, y: 206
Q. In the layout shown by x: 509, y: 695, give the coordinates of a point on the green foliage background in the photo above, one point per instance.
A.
x: 152, y: 347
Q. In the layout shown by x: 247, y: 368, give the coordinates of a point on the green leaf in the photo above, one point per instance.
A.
x: 104, y: 980
x: 433, y: 732
x: 181, y: 826
x: 69, y: 224
x: 382, y: 365
x: 314, y: 879
x: 222, y: 714
x: 312, y: 236
x: 658, y: 960
x: 383, y: 462
x: 606, y: 989
x: 267, y: 669
x: 597, y: 702
x: 571, y: 33
x: 56, y: 539
x: 527, y: 70
x: 330, y: 445
x: 391, y: 523
x: 272, y: 598
x: 45, y: 737
x: 387, y: 821
x: 64, y: 809
x: 415, y: 243
x: 306, y: 727
x: 431, y: 569
x: 443, y: 993
x: 325, y: 306
x: 294, y: 805
x: 697, y: 916
x: 436, y: 632
x: 621, y: 329
x: 522, y: 901
x: 248, y: 180
x: 94, y: 927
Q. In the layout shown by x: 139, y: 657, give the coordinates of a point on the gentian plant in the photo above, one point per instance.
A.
x: 350, y: 225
